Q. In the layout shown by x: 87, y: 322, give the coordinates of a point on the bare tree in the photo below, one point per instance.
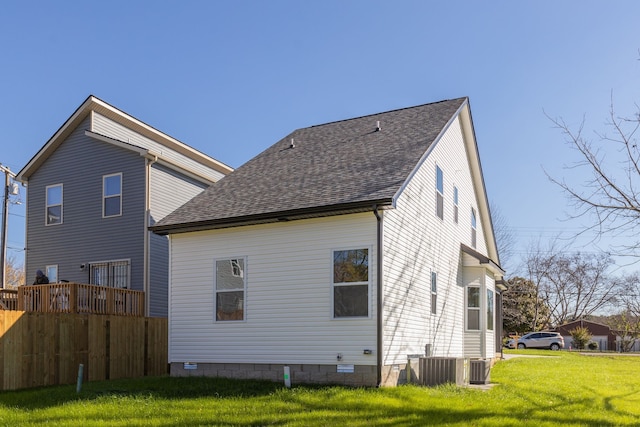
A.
x: 505, y: 238
x: 610, y: 197
x: 572, y: 285
x: 14, y: 273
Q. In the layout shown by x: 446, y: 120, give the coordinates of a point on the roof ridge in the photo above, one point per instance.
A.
x: 384, y: 112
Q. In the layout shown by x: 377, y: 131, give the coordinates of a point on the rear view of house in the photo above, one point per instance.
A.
x: 341, y: 251
x: 95, y: 187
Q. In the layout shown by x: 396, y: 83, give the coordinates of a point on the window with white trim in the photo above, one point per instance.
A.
x: 473, y: 227
x: 230, y: 288
x: 434, y: 292
x: 489, y: 310
x: 351, y: 283
x: 455, y: 204
x: 473, y: 308
x: 114, y: 274
x: 53, y: 204
x: 51, y: 272
x: 439, y: 193
x: 112, y: 195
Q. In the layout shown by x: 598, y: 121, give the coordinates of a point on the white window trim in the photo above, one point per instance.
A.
x: 439, y: 194
x: 47, y: 205
x: 104, y: 197
x: 474, y: 227
x: 456, y: 206
x: 109, y: 261
x: 244, y: 289
x: 46, y: 270
x: 467, y: 308
x: 368, y: 283
x: 434, y: 280
x: 493, y: 310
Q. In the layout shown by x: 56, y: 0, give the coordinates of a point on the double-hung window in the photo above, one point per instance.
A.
x: 351, y: 283
x: 434, y: 292
x: 230, y: 286
x: 439, y: 193
x: 473, y: 227
x: 490, y: 309
x: 112, y: 195
x: 455, y: 204
x: 473, y: 308
x: 54, y: 204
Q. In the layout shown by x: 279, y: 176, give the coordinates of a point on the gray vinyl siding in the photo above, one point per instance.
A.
x: 85, y: 236
x: 105, y: 126
x: 168, y: 191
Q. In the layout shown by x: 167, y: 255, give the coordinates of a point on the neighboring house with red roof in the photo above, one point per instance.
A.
x: 601, y: 334
x: 340, y: 251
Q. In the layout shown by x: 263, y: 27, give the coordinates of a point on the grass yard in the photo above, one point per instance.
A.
x: 558, y: 388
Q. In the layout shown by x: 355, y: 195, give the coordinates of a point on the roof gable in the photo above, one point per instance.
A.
x: 94, y: 104
x: 338, y: 167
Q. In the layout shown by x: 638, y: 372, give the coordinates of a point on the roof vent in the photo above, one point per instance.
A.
x: 292, y: 145
x: 378, y: 128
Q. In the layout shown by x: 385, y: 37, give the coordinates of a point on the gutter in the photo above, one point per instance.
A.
x: 270, y: 217
x: 146, y: 279
x: 379, y: 299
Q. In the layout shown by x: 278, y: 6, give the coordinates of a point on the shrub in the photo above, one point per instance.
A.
x: 581, y: 336
x: 592, y: 345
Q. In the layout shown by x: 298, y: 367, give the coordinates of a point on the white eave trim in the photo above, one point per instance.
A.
x: 155, y: 158
x: 473, y: 258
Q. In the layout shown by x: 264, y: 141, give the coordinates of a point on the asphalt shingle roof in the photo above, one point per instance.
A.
x: 332, y: 167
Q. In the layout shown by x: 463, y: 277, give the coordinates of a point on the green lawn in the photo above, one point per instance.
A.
x: 558, y: 388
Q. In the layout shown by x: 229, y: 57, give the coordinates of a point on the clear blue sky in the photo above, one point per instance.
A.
x: 230, y: 78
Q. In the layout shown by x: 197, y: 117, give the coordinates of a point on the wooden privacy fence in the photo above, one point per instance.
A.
x: 78, y: 298
x: 40, y: 349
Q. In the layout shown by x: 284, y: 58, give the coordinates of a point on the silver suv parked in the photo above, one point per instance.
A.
x: 551, y: 340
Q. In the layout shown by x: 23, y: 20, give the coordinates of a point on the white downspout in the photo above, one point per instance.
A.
x: 147, y: 215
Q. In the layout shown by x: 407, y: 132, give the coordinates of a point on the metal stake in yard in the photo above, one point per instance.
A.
x: 79, y: 383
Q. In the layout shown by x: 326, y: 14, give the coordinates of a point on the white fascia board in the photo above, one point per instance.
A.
x: 155, y: 158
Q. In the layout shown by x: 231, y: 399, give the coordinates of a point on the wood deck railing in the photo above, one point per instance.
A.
x: 74, y: 298
x: 8, y: 299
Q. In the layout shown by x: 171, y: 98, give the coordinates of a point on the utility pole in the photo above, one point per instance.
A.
x: 5, y: 222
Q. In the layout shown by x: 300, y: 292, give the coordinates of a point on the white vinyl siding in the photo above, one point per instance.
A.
x: 417, y: 243
x: 288, y: 295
